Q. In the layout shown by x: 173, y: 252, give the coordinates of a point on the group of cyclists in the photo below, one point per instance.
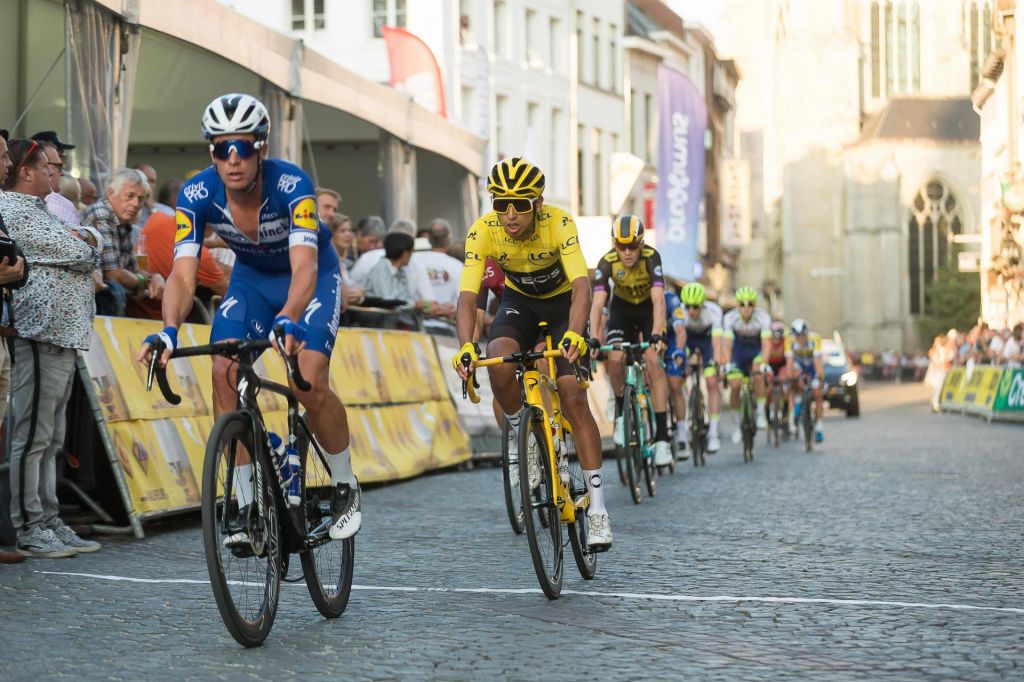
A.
x: 287, y: 285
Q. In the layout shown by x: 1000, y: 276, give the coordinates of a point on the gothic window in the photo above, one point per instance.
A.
x: 935, y: 217
x: 979, y: 35
x: 895, y: 47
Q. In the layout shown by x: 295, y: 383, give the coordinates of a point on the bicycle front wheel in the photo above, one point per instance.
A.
x: 542, y: 520
x: 586, y: 561
x: 510, y: 480
x: 630, y: 451
x: 246, y: 579
x: 697, y: 425
x: 646, y: 453
x: 807, y: 417
x: 326, y: 564
x: 748, y: 426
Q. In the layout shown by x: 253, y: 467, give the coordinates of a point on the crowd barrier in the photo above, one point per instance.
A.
x: 401, y: 417
x: 993, y: 393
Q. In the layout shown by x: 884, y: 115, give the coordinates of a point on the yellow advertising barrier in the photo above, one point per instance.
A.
x: 973, y: 393
x: 401, y: 418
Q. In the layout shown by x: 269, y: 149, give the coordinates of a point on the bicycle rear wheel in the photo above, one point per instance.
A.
x: 630, y: 449
x: 326, y: 564
x: 246, y: 582
x: 542, y: 522
x: 586, y: 561
x: 747, y: 425
x: 697, y: 428
x: 646, y: 460
x: 807, y: 419
x: 510, y: 479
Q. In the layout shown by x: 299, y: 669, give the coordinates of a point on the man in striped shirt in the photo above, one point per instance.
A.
x: 389, y: 279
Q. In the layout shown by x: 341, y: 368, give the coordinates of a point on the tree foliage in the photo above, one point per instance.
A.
x: 953, y: 299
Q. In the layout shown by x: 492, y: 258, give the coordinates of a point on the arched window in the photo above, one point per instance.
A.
x: 895, y: 48
x: 935, y: 217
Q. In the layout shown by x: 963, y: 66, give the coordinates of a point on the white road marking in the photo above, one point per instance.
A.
x: 620, y: 595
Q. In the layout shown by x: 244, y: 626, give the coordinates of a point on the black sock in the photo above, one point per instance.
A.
x: 618, y: 405
x: 660, y: 426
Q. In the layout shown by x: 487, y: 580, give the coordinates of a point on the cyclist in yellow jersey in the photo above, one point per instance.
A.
x: 803, y: 357
x: 630, y: 274
x: 538, y: 249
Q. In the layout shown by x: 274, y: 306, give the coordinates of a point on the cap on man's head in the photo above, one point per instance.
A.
x: 50, y: 136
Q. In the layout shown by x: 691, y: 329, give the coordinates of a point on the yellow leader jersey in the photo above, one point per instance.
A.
x: 541, y: 267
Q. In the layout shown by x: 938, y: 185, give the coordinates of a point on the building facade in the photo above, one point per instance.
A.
x: 815, y: 75
x: 998, y: 97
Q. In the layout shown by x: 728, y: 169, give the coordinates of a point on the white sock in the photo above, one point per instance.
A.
x: 680, y: 429
x: 341, y: 468
x: 596, y: 490
x: 513, y: 421
x: 713, y: 426
x: 242, y: 483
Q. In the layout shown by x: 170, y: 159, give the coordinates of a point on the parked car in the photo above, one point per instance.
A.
x: 840, y: 378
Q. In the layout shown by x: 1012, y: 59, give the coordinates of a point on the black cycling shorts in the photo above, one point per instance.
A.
x: 627, y: 321
x: 519, y: 317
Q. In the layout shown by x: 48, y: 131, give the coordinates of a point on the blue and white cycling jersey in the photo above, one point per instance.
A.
x: 288, y: 217
x: 262, y: 274
x: 672, y: 304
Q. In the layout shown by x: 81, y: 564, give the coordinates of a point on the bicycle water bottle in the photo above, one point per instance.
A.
x: 292, y: 475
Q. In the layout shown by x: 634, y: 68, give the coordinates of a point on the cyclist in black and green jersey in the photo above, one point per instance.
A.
x: 631, y: 274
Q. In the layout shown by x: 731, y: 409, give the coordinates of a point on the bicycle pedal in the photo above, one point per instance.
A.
x: 599, y: 549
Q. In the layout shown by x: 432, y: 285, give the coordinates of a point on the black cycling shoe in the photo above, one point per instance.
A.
x: 237, y: 535
x: 346, y: 511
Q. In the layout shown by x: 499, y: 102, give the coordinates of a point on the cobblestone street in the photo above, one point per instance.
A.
x: 894, y: 551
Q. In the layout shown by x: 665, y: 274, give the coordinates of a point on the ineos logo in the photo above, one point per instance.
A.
x: 287, y: 183
x: 197, y: 190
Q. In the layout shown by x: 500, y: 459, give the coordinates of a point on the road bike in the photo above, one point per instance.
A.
x: 555, y: 492
x: 807, y: 406
x: 636, y: 452
x: 778, y: 412
x: 696, y: 410
x: 246, y: 582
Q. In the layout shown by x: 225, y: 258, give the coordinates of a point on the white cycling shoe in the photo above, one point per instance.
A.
x: 662, y: 453
x: 762, y: 421
x: 617, y: 433
x: 599, y: 531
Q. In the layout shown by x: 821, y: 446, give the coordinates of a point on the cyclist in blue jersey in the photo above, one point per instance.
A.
x: 286, y: 274
x: 675, y: 366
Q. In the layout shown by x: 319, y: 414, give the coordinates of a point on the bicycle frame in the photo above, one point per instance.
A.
x: 531, y: 382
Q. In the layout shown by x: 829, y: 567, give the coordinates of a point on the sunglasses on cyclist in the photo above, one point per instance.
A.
x: 694, y: 307
x: 628, y: 247
x: 520, y: 206
x: 244, y: 148
x: 745, y: 304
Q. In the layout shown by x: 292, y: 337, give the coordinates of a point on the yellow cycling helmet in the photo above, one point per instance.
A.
x: 693, y: 294
x: 515, y: 178
x: 746, y: 295
x: 627, y: 229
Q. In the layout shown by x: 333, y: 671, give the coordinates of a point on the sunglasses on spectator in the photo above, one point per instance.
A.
x: 244, y: 148
x: 520, y: 206
x: 628, y: 247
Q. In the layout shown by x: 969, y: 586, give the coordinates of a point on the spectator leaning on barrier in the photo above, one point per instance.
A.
x: 419, y: 282
x: 13, y: 275
x: 88, y: 188
x: 113, y: 216
x: 54, y: 314
x: 443, y: 271
x: 1012, y: 348
x: 389, y: 278
x: 149, y: 203
x: 168, y: 197
x: 369, y: 234
x: 327, y: 203
x: 57, y: 203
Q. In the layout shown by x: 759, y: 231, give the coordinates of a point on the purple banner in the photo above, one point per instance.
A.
x: 683, y: 117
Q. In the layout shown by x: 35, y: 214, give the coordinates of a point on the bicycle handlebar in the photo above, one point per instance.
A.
x: 225, y: 348
x: 470, y: 384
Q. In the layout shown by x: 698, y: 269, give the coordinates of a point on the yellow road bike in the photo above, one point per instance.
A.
x: 551, y: 483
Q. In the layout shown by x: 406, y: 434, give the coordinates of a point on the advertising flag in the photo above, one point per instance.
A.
x: 414, y: 69
x: 683, y: 121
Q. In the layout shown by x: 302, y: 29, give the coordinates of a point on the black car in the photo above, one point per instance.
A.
x: 840, y: 379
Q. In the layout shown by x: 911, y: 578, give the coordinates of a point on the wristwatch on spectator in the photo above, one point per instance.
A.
x: 143, y: 281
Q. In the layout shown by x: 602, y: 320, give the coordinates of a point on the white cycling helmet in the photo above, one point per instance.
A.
x: 798, y: 327
x: 236, y: 113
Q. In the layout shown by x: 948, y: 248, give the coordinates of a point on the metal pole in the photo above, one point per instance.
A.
x: 574, y: 83
x: 108, y: 445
